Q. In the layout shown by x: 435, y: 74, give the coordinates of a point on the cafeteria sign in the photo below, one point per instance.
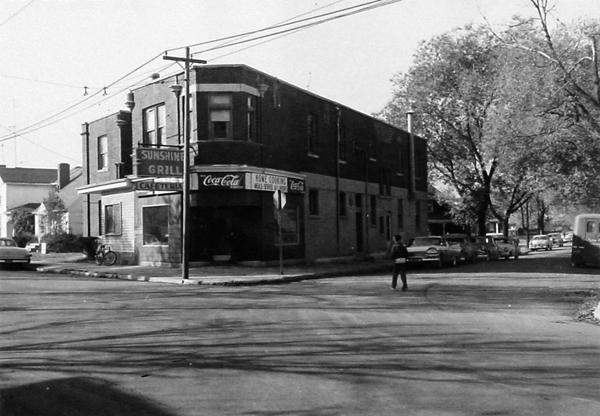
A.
x: 159, y: 162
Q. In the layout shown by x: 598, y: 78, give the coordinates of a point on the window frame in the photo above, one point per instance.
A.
x: 252, y: 129
x: 157, y: 114
x: 373, y: 210
x: 102, y: 153
x: 113, y: 219
x: 145, y: 231
x: 214, y: 107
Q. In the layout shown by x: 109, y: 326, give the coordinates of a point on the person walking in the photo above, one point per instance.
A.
x: 399, y: 254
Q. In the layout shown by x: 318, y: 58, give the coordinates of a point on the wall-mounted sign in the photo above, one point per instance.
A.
x: 159, y: 186
x: 246, y: 180
x: 296, y: 186
x: 159, y: 162
x: 263, y: 182
x: 221, y: 180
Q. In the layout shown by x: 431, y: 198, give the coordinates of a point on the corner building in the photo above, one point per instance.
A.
x: 349, y: 181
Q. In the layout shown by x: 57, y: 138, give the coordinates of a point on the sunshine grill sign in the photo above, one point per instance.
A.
x: 159, y: 162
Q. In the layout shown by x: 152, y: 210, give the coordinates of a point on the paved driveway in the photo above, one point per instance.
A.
x: 484, y: 339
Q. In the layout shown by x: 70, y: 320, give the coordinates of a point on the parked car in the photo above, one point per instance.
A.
x: 557, y: 239
x: 10, y: 253
x: 433, y: 249
x: 568, y: 237
x: 487, y: 249
x: 540, y: 242
x: 508, y: 246
x: 467, y: 248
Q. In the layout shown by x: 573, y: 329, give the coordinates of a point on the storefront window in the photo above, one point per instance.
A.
x: 289, y: 227
x: 156, y: 225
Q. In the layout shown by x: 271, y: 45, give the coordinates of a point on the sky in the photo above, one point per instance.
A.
x: 66, y: 62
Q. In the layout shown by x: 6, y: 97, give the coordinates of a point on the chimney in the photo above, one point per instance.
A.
x: 64, y: 175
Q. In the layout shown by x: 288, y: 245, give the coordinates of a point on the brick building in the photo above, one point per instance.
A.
x: 351, y: 181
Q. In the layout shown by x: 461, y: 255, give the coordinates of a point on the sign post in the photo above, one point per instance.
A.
x: 279, y: 200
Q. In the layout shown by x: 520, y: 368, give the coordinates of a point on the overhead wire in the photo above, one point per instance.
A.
x: 326, y: 17
x: 17, y: 12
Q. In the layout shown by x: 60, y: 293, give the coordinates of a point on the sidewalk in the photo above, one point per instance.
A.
x: 226, y: 274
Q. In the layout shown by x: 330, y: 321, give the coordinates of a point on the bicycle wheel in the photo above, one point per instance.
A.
x: 99, y: 259
x: 110, y: 258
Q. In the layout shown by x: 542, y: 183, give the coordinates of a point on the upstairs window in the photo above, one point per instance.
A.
x: 385, y: 183
x: 252, y: 119
x: 102, y: 153
x: 154, y: 125
x: 311, y: 125
x: 219, y: 108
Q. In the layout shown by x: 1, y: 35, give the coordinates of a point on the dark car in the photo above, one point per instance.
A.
x: 557, y: 239
x: 10, y: 253
x: 468, y: 250
x: 487, y: 249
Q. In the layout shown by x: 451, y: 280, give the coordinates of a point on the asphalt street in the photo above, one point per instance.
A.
x: 498, y: 338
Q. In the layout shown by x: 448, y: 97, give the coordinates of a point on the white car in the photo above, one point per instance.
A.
x: 10, y: 253
x: 541, y: 242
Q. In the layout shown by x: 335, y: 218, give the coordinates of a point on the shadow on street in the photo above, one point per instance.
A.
x: 77, y: 396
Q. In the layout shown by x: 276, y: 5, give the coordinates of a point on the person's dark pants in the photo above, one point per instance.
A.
x: 399, y: 269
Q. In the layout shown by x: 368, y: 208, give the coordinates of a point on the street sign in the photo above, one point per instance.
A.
x: 279, y: 199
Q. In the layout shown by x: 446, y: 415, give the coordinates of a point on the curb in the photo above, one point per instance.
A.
x: 278, y: 279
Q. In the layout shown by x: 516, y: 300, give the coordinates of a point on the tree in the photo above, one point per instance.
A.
x: 454, y: 87
x: 567, y: 101
x: 23, y: 222
x: 54, y: 217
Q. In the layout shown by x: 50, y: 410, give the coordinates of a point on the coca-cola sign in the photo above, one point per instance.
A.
x: 221, y: 180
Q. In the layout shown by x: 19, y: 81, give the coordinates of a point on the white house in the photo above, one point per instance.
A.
x: 26, y: 188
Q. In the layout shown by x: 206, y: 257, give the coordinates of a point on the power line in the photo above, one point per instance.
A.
x: 287, y: 32
x: 17, y: 12
x: 352, y: 10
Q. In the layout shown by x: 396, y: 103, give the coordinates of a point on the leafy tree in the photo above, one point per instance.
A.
x: 566, y: 100
x: 54, y: 216
x: 22, y: 221
x: 455, y: 87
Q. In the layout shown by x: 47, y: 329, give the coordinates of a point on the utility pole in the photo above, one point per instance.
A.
x: 185, y: 198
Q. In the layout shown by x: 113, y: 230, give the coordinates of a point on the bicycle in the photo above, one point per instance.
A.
x: 105, y: 255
